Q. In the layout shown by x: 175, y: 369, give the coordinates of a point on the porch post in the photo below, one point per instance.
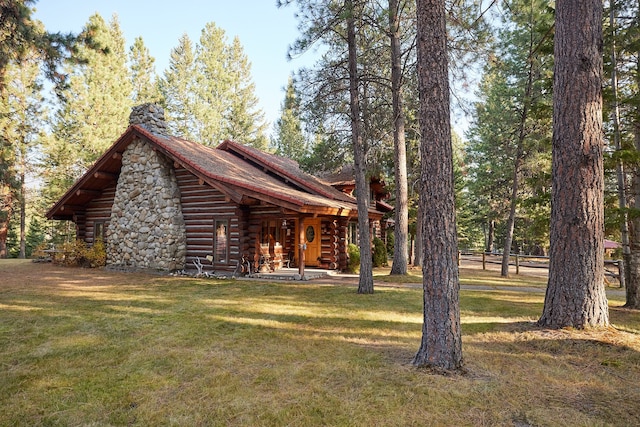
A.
x: 301, y: 247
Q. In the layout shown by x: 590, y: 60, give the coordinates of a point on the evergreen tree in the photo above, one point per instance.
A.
x: 22, y: 36
x: 213, y: 87
x: 143, y: 74
x: 245, y: 120
x: 575, y: 294
x: 8, y: 183
x: 289, y: 140
x: 21, y: 123
x: 401, y: 211
x: 510, y: 133
x: 35, y: 235
x: 209, y: 95
x: 97, y: 103
x: 178, y: 90
x: 622, y: 127
x: 441, y: 344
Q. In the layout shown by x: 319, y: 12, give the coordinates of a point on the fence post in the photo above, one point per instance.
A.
x: 517, y: 264
x: 484, y: 260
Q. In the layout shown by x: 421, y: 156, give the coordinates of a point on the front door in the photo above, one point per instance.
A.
x: 313, y: 240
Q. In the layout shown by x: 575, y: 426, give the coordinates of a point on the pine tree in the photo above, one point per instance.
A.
x: 510, y: 134
x: 289, y: 140
x: 22, y: 36
x: 575, y: 294
x: 8, y: 183
x: 143, y: 74
x: 97, y: 103
x: 21, y: 125
x: 441, y: 344
x: 213, y: 85
x: 244, y: 121
x: 208, y: 93
x: 177, y: 87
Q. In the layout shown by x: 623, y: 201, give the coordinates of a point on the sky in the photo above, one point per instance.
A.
x: 264, y: 30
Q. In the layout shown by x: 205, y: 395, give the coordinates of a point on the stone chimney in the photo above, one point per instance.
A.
x: 150, y: 116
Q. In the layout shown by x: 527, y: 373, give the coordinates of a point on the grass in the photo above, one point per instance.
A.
x: 86, y: 347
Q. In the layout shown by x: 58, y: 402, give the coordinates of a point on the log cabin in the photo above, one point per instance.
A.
x: 160, y: 202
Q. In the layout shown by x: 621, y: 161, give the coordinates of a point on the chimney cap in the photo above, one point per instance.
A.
x: 150, y: 116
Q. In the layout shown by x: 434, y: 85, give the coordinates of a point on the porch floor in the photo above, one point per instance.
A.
x: 292, y: 274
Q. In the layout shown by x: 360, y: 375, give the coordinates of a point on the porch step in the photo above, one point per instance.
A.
x: 292, y: 274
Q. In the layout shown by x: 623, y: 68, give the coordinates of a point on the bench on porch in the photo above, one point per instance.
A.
x: 272, y: 259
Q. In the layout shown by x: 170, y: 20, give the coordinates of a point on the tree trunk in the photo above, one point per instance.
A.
x: 401, y: 229
x: 491, y: 234
x: 620, y: 173
x: 23, y: 215
x: 511, y: 221
x: 517, y: 163
x: 417, y: 249
x: 575, y: 293
x: 6, y: 201
x: 365, y: 285
x: 632, y: 265
x: 441, y: 345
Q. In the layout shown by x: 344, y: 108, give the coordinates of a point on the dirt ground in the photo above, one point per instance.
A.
x: 20, y: 273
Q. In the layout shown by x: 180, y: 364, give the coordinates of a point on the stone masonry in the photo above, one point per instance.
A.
x: 149, y: 116
x: 146, y: 230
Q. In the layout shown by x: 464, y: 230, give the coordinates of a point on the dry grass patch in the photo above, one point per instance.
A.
x: 83, y: 347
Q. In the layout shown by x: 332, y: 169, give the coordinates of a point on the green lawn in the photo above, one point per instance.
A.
x: 86, y: 347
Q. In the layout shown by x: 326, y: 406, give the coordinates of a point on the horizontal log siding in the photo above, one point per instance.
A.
x: 343, y: 229
x: 330, y: 245
x: 80, y: 219
x: 99, y: 210
x: 201, y: 206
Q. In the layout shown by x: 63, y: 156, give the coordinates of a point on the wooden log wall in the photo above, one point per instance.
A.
x: 343, y: 230
x: 329, y: 257
x: 289, y: 248
x: 244, y: 237
x: 99, y: 210
x: 80, y: 219
x: 201, y: 206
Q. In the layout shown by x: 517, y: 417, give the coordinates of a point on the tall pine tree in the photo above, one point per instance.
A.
x: 21, y: 124
x: 143, y: 74
x: 177, y: 88
x: 208, y: 92
x: 97, y: 103
x: 289, y: 140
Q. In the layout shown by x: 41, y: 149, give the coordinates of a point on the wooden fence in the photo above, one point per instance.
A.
x: 613, y: 268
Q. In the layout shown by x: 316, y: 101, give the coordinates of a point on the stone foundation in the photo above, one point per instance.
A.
x: 147, y: 228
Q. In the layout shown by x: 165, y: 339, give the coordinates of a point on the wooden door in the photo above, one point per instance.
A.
x: 313, y: 240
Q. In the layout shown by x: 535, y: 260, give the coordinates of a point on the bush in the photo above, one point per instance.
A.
x: 379, y: 253
x: 391, y: 241
x: 353, y: 265
x: 77, y: 254
x: 96, y: 255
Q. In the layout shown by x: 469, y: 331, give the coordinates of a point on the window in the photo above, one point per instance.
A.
x: 221, y: 241
x: 352, y: 233
x: 270, y: 231
x: 98, y: 231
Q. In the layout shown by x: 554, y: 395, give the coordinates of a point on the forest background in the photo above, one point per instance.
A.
x: 52, y: 133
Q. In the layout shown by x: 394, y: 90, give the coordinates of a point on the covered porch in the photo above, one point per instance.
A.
x: 291, y: 243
